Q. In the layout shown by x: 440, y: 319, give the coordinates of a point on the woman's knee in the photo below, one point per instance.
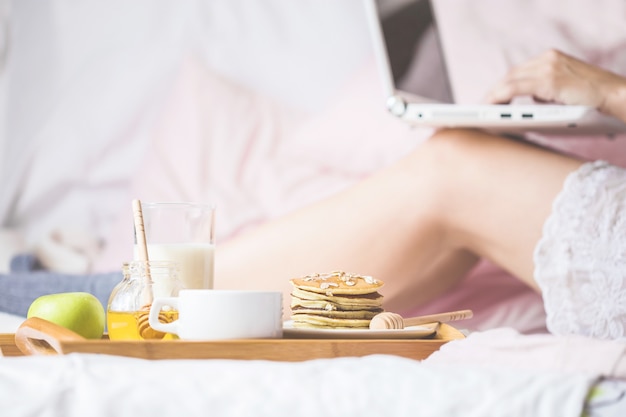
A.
x: 452, y: 146
x: 431, y: 172
x: 443, y: 156
x: 439, y: 169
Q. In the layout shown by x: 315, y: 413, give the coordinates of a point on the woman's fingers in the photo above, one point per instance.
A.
x: 555, y: 77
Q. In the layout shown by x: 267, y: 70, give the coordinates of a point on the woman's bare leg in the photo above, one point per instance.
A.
x: 503, y: 192
x: 418, y: 225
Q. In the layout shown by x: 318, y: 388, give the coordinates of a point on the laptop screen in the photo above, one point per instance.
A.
x: 414, y: 49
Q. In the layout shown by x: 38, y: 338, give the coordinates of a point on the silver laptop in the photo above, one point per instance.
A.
x: 418, y: 90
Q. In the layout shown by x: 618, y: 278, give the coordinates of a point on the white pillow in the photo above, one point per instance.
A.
x: 87, y: 82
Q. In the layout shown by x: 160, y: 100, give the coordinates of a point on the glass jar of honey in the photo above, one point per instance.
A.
x: 129, y: 303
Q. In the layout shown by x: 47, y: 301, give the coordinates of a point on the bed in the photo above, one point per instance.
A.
x: 137, y: 83
x: 491, y: 373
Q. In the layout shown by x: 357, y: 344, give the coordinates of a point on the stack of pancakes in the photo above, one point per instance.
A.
x: 336, y: 300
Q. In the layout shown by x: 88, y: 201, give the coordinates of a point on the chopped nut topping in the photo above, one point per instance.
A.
x: 369, y: 280
x: 349, y: 279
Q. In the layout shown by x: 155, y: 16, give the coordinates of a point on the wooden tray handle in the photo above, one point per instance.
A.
x: 41, y: 337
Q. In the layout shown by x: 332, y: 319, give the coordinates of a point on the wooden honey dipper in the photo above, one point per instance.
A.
x: 389, y: 320
x: 144, y: 329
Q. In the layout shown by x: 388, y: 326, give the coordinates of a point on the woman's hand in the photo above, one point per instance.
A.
x: 556, y: 77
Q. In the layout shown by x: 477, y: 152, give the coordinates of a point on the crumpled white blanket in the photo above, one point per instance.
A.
x: 506, y: 347
x: 378, y: 385
x: 498, y: 372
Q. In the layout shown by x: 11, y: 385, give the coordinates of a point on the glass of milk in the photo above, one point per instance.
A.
x: 184, y: 233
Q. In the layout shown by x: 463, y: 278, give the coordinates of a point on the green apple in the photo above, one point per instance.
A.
x: 80, y: 312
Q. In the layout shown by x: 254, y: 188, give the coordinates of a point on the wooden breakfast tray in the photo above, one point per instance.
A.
x: 37, y: 336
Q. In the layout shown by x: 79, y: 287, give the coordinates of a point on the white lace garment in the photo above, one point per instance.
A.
x: 580, y: 261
